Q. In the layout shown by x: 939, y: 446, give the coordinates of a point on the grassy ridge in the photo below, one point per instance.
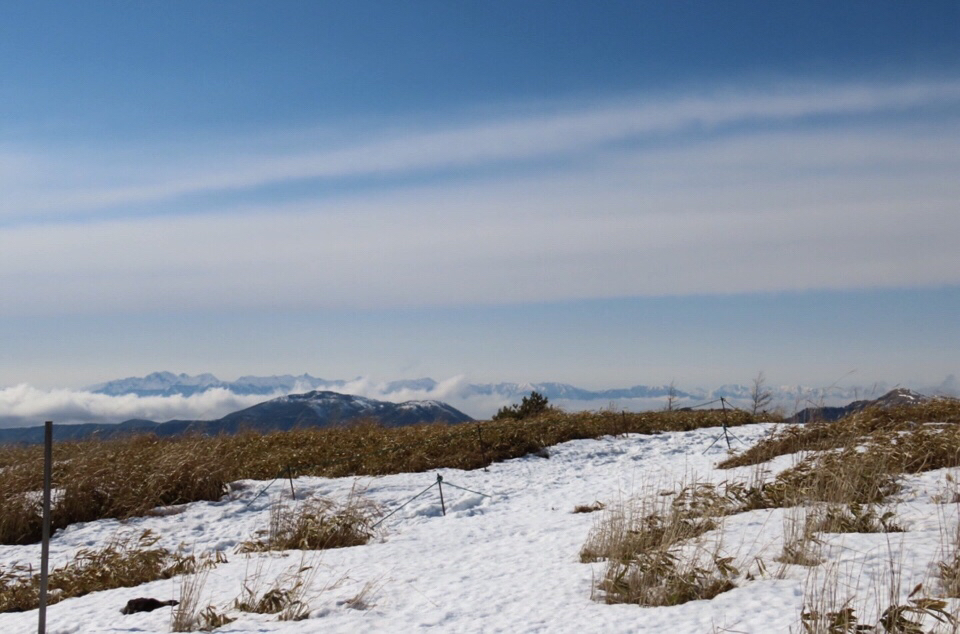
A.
x: 874, y: 425
x: 130, y: 476
x: 842, y: 480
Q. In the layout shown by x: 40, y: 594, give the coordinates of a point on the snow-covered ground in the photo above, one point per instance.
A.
x: 508, y: 562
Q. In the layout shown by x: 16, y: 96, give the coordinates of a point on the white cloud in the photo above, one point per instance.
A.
x: 24, y: 406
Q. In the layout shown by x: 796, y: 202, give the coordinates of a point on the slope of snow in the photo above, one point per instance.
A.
x: 504, y: 563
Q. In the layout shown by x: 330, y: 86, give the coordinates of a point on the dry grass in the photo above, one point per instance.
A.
x: 646, y: 543
x: 852, y: 518
x: 367, y: 596
x: 654, y: 521
x: 210, y: 618
x: 826, y: 611
x: 800, y: 545
x: 316, y: 524
x: 948, y: 568
x: 848, y: 477
x: 858, y: 461
x: 96, y: 480
x: 859, y: 427
x: 589, y: 508
x: 286, y: 597
x: 130, y: 476
x: 123, y: 562
x: 843, y: 472
x: 185, y: 617
x: 662, y: 578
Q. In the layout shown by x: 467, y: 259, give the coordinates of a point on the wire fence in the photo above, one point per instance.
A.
x: 439, y: 483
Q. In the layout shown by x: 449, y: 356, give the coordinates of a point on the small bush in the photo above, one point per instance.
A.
x: 529, y: 407
x: 210, y: 618
x: 654, y: 522
x: 948, y: 569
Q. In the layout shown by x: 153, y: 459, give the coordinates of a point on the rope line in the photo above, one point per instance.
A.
x: 263, y: 490
x: 716, y: 400
x: 288, y: 472
x: 465, y: 489
x: 403, y: 505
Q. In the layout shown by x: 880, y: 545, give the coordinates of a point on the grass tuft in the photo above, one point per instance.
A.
x: 316, y: 524
x: 589, y: 508
x: 646, y: 546
x: 286, y: 597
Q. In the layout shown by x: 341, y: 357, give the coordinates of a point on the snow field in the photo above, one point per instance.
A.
x: 509, y: 562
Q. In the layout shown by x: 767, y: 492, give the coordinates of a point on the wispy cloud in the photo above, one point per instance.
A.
x: 114, y: 177
x: 647, y: 204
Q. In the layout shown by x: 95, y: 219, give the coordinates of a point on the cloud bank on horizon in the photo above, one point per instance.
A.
x: 622, y: 198
x: 26, y: 406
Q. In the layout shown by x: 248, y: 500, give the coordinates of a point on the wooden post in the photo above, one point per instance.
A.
x: 443, y: 507
x: 293, y: 494
x: 45, y: 547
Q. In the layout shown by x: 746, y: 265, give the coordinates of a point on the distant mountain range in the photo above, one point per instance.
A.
x: 313, y: 409
x: 170, y: 384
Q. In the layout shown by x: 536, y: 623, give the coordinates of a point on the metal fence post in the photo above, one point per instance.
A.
x: 45, y: 547
x: 443, y: 507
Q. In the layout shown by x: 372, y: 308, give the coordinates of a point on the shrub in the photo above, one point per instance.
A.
x: 529, y: 407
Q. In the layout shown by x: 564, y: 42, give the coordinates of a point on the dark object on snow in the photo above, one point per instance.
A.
x: 146, y: 605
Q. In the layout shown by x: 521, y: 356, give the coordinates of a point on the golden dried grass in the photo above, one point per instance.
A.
x: 316, y: 524
x: 129, y: 476
x: 646, y: 544
x: 123, y: 562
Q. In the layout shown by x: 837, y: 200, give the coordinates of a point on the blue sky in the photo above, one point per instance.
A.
x: 603, y: 193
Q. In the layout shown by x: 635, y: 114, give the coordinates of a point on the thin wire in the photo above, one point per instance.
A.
x: 465, y: 489
x: 716, y: 400
x: 403, y: 505
x: 265, y: 488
